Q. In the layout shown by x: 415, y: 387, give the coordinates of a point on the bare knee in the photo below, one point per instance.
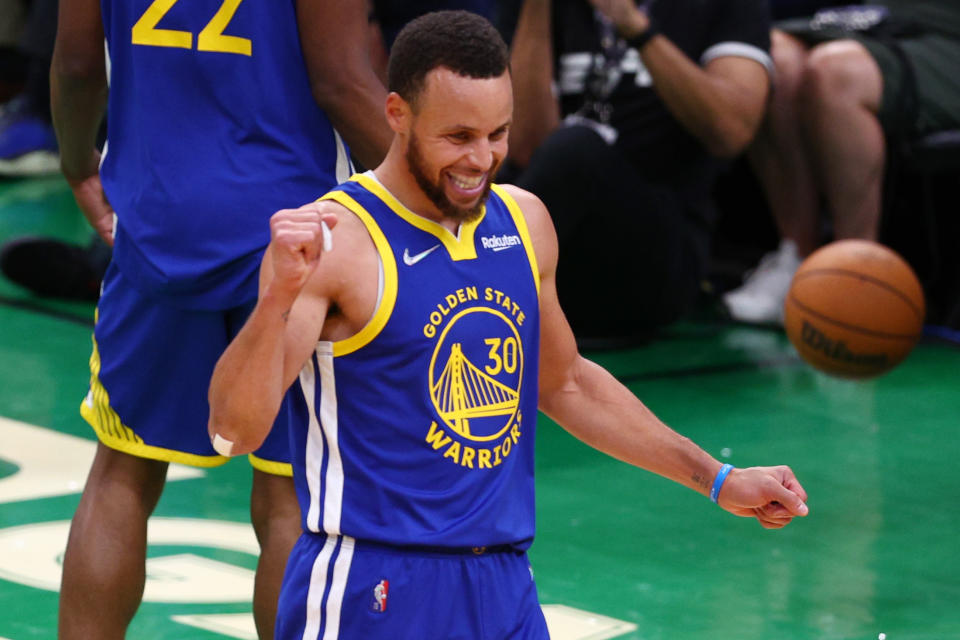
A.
x: 128, y: 479
x: 841, y: 73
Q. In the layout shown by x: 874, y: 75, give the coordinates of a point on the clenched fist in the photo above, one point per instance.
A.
x: 297, y: 238
x: 772, y: 495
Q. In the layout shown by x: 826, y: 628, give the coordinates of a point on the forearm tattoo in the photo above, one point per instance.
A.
x: 703, y: 483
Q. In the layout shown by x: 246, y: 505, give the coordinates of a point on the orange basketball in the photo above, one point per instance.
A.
x: 855, y: 309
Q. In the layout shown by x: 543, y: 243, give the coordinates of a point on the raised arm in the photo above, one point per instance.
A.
x: 78, y: 97
x: 334, y: 35
x: 593, y: 406
x: 536, y: 111
x: 255, y: 371
x: 721, y: 103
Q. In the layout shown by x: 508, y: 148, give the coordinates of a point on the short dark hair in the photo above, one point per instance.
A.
x: 464, y: 42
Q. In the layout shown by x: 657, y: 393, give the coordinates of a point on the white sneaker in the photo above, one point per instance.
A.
x: 759, y: 300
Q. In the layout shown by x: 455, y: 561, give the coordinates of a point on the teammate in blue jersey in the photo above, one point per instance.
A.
x: 412, y: 312
x: 220, y: 112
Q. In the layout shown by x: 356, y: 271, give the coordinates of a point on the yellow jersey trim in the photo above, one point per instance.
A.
x: 389, y: 296
x: 521, y: 224
x: 459, y: 247
x: 111, y: 431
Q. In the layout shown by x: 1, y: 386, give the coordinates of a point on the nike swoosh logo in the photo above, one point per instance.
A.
x: 410, y: 260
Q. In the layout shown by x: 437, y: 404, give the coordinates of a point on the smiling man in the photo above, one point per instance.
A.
x: 415, y: 384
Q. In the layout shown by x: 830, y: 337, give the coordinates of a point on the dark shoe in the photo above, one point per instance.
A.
x: 56, y: 269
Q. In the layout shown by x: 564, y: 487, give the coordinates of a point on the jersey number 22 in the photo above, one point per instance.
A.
x: 211, y: 38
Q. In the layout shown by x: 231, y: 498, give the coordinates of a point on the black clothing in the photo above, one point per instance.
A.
x: 633, y: 217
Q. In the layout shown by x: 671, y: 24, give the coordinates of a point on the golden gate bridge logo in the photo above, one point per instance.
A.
x: 465, y: 391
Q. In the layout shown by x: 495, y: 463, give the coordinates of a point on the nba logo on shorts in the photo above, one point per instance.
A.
x: 380, y: 596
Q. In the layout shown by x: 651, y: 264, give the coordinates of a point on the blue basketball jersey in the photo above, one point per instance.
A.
x: 419, y: 430
x: 212, y: 128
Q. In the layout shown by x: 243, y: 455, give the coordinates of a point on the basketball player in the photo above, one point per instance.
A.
x: 420, y: 335
x: 213, y: 125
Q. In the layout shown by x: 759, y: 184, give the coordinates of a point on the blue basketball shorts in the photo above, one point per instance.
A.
x: 340, y: 588
x: 149, y: 374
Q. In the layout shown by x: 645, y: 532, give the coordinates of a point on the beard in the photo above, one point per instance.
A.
x: 434, y: 191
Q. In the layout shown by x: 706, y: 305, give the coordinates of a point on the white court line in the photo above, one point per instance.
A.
x: 50, y: 463
x: 232, y: 625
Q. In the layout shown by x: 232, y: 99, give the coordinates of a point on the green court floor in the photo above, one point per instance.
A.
x: 620, y: 553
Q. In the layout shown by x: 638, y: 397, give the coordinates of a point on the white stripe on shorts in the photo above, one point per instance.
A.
x: 337, y: 587
x: 318, y: 580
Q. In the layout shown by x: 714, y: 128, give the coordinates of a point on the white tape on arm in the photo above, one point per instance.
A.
x: 222, y: 446
x: 327, y: 236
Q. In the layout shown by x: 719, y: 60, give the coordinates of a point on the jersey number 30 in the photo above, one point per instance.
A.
x: 211, y: 38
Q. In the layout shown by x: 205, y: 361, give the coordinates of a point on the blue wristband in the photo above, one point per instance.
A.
x: 718, y: 481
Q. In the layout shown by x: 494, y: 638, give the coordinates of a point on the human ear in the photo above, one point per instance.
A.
x: 399, y: 113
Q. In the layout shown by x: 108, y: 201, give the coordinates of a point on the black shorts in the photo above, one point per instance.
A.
x: 933, y: 57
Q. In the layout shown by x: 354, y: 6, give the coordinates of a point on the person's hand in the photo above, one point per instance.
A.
x: 772, y: 495
x: 629, y: 19
x: 298, y: 237
x: 88, y: 192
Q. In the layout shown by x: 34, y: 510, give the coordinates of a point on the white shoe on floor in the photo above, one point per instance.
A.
x: 759, y: 300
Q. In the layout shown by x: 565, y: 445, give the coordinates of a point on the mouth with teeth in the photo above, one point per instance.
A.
x: 468, y: 186
x: 458, y: 194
